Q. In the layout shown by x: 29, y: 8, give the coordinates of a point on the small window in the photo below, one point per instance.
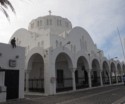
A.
x: 47, y: 22
x: 32, y: 25
x: 40, y: 22
x: 50, y: 22
x: 59, y: 22
x: 56, y: 43
x: 67, y: 25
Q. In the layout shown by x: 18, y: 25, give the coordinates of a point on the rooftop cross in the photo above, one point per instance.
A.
x: 50, y: 12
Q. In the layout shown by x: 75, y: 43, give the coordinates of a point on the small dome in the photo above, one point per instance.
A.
x: 54, y: 23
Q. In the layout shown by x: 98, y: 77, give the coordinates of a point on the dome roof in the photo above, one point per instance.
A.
x: 50, y: 22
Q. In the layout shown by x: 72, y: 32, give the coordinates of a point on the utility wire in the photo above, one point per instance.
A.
x: 121, y: 44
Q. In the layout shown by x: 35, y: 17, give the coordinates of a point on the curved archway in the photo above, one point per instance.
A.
x: 95, y: 73
x: 119, y: 73
x: 105, y: 73
x: 36, y: 73
x: 123, y: 68
x: 113, y: 73
x: 63, y: 72
x: 81, y: 74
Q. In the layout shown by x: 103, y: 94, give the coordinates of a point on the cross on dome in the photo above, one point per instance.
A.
x: 50, y: 12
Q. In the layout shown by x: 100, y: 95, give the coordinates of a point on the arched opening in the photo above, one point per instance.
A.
x: 119, y: 73
x: 81, y: 74
x: 113, y: 73
x: 123, y: 68
x: 36, y: 73
x: 95, y: 73
x: 105, y: 73
x: 63, y: 73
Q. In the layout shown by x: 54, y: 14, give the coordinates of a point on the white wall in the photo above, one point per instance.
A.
x: 7, y: 53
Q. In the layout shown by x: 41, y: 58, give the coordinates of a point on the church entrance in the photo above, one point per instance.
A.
x: 12, y: 83
x: 81, y: 74
x: 36, y: 73
x: 95, y: 73
x: 113, y: 73
x: 105, y: 73
x: 63, y: 73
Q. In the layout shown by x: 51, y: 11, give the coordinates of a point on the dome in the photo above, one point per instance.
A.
x: 52, y: 22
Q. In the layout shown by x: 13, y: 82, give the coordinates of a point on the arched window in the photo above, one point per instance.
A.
x: 40, y: 22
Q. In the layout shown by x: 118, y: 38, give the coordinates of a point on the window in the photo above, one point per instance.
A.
x: 40, y: 22
x: 49, y: 22
x: 56, y: 43
x: 32, y: 25
x: 66, y: 23
x: 59, y: 22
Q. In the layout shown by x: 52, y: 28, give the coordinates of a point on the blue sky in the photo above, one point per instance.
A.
x: 99, y: 17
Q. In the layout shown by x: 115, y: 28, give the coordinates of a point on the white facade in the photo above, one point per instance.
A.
x: 8, y: 55
x: 61, y: 58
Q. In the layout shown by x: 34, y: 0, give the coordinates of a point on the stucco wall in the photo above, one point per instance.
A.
x: 17, y: 54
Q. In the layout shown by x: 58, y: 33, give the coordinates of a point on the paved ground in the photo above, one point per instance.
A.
x: 102, y: 95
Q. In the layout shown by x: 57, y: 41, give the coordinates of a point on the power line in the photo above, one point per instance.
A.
x: 121, y: 43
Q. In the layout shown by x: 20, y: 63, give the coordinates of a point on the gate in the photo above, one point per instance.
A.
x: 12, y: 83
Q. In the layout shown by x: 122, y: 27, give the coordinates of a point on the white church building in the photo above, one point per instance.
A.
x: 61, y: 58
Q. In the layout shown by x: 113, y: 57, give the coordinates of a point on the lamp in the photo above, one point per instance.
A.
x: 99, y: 51
x: 114, y: 58
x: 17, y: 56
x: 66, y: 44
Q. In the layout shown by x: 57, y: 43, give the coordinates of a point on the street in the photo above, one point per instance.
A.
x: 102, y: 95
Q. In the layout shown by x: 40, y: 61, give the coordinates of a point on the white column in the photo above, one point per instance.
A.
x: 110, y: 79
x: 89, y: 76
x: 121, y: 75
x: 101, y: 78
x: 73, y: 79
x: 116, y: 79
x: 27, y: 81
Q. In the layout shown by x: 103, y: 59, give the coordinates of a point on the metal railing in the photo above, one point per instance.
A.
x: 119, y: 78
x: 82, y: 83
x: 65, y: 85
x: 113, y: 79
x: 95, y: 81
x: 35, y: 85
x: 105, y: 80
